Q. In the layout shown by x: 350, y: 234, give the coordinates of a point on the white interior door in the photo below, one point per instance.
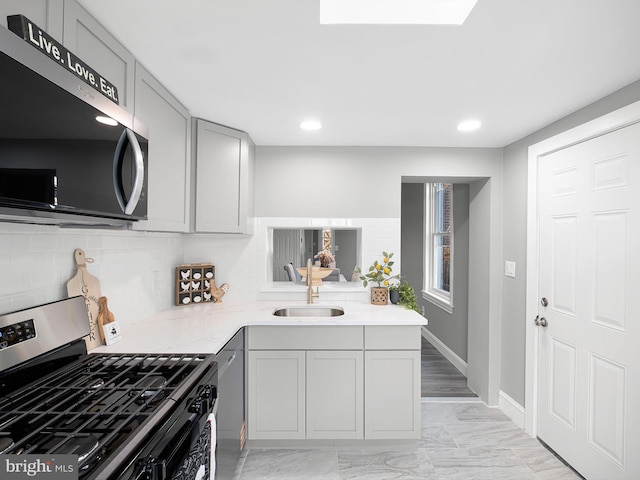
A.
x: 589, y: 274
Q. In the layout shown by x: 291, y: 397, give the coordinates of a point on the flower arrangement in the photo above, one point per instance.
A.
x: 325, y: 258
x: 379, y: 273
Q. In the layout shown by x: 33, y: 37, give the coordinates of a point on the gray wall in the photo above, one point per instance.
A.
x: 411, y: 236
x: 481, y: 353
x: 449, y: 328
x: 360, y: 182
x: 512, y: 380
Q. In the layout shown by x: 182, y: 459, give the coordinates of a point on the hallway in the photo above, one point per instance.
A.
x: 439, y: 377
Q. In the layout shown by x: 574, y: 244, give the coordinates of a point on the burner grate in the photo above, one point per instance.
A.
x: 96, y: 405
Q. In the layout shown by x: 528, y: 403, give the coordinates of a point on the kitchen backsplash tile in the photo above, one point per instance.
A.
x: 136, y: 269
x: 36, y: 262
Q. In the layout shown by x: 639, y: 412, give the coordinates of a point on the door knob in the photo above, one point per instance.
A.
x: 541, y: 321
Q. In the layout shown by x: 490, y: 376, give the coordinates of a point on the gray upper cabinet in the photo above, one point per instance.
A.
x: 169, y: 176
x: 223, y: 180
x: 92, y: 43
x: 47, y: 14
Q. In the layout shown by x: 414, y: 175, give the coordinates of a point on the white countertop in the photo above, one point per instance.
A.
x: 207, y: 328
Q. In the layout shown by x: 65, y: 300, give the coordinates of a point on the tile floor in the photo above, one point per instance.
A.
x: 460, y: 441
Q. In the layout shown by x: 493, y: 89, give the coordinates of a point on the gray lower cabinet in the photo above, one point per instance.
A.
x: 276, y: 394
x: 334, y: 394
x: 169, y: 176
x: 295, y: 394
x: 392, y: 394
x: 392, y: 381
x: 333, y: 382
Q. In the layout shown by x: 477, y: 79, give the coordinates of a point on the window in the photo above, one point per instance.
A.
x: 438, y: 283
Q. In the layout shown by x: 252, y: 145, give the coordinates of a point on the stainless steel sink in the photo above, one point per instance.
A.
x: 310, y: 311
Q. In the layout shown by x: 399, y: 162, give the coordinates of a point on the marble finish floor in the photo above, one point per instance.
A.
x: 439, y: 377
x: 460, y: 441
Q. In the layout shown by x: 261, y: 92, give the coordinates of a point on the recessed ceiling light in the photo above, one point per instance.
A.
x: 310, y: 125
x: 107, y: 121
x: 469, y: 125
x: 423, y: 12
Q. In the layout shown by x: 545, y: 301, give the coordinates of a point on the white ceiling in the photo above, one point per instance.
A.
x: 263, y: 66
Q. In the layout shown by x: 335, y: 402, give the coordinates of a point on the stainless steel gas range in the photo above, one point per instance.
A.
x: 125, y: 416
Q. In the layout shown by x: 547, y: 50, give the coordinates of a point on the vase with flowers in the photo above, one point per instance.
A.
x: 325, y: 258
x: 380, y: 273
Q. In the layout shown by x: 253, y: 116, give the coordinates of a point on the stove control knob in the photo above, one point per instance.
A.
x: 210, y: 391
x: 196, y: 406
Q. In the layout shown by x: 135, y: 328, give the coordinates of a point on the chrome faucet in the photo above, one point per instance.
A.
x: 309, y: 282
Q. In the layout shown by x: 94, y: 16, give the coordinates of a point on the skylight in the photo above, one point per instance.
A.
x: 424, y: 12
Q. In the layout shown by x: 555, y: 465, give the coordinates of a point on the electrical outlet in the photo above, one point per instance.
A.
x: 510, y: 269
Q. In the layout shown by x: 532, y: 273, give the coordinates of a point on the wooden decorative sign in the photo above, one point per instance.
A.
x: 38, y: 38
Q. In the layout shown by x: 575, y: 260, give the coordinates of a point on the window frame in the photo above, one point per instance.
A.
x: 431, y: 292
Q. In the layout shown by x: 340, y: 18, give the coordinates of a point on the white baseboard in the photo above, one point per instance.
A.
x: 449, y: 354
x: 511, y: 409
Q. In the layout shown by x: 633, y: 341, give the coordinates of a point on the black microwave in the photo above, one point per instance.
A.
x: 59, y: 163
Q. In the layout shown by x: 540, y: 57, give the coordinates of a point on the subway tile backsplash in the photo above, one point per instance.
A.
x: 36, y: 261
x: 136, y: 269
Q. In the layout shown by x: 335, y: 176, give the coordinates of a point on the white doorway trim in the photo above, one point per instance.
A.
x: 613, y: 121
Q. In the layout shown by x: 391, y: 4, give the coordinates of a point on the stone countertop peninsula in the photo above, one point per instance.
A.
x: 207, y: 328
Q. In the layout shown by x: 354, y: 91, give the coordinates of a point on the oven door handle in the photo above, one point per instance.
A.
x: 176, y: 442
x: 174, y: 446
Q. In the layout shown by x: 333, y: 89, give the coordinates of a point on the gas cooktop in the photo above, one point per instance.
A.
x: 100, y: 407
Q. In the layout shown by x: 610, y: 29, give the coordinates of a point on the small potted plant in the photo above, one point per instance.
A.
x: 394, y: 293
x: 380, y: 274
x: 408, y: 296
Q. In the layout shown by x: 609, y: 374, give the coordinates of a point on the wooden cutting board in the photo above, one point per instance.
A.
x: 85, y: 284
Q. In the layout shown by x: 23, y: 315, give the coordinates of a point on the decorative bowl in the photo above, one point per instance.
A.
x: 317, y: 274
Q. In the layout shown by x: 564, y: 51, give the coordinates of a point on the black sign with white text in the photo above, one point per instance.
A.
x: 34, y: 35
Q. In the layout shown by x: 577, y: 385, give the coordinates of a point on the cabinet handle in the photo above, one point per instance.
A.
x: 231, y: 359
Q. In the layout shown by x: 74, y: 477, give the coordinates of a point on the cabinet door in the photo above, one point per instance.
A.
x: 334, y: 394
x: 94, y: 45
x: 169, y: 176
x: 47, y: 14
x: 392, y: 394
x: 276, y: 394
x: 223, y: 189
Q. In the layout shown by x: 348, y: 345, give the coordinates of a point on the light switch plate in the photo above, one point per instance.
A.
x: 112, y: 333
x: 510, y: 269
